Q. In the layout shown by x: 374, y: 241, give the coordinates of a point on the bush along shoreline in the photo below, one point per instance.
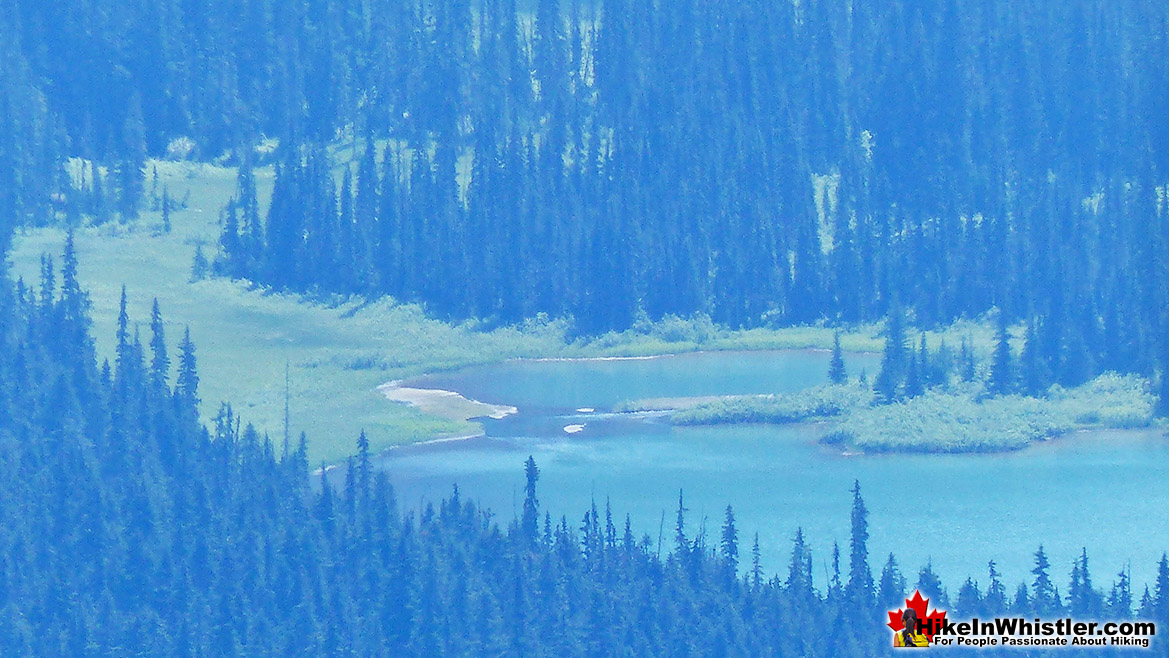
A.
x: 962, y: 418
x: 941, y: 401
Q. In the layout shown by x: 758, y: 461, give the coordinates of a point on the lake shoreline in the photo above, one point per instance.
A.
x: 954, y: 420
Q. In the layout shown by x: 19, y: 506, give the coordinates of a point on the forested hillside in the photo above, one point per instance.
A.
x: 761, y: 163
x: 129, y: 529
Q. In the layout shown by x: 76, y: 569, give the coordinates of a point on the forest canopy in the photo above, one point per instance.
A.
x: 130, y: 528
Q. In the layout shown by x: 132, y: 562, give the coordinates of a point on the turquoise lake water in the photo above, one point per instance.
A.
x: 1107, y: 491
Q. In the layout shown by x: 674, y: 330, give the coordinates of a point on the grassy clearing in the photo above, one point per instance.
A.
x: 810, y: 404
x: 339, y: 349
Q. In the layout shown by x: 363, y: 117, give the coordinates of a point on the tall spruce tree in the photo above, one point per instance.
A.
x: 531, y: 514
x: 1002, y: 369
x: 894, y: 361
x: 729, y: 543
x: 860, y: 576
x: 836, y: 372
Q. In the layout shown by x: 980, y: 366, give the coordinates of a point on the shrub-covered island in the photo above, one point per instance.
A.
x: 961, y: 418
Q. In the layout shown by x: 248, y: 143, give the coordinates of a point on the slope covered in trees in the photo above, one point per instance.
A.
x: 764, y: 164
x: 760, y: 163
x: 130, y: 529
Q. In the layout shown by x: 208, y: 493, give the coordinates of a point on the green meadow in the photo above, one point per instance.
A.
x: 338, y: 350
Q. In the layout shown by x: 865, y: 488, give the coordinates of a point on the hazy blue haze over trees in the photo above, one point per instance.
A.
x: 759, y: 162
x: 128, y: 528
x: 762, y: 163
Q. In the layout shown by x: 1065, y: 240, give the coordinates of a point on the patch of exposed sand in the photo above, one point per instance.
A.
x: 445, y: 404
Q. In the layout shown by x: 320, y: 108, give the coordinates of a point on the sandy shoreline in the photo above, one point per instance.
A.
x: 445, y: 404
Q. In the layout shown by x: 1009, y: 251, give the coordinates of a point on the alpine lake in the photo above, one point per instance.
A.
x: 1103, y: 491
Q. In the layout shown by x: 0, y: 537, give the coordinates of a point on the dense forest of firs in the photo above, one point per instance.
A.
x: 127, y: 528
x: 762, y: 163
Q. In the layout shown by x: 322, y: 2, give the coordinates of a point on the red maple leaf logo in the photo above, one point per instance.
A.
x: 930, y: 623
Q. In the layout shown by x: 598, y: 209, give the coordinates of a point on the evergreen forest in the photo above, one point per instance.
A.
x: 608, y: 162
x: 760, y: 164
x: 130, y: 528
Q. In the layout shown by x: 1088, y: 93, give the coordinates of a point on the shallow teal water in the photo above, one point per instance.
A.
x: 1106, y: 491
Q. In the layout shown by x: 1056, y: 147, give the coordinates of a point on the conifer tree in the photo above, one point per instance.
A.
x: 1044, y: 598
x: 1083, y: 599
x: 835, y: 588
x: 929, y: 584
x: 1002, y: 371
x: 131, y: 162
x: 966, y: 361
x: 729, y: 544
x: 681, y: 544
x: 860, y: 577
x: 187, y: 383
x: 251, y: 230
x: 969, y: 600
x: 531, y: 514
x: 229, y: 242
x: 836, y: 372
x: 1160, y: 601
x: 364, y: 467
x: 756, y: 569
x: 1120, y: 597
x: 891, y: 588
x: 166, y: 207
x: 995, y: 601
x: 121, y: 351
x: 930, y: 370
x: 799, y: 573
x: 1021, y: 604
x: 160, y: 362
x: 199, y: 264
x: 914, y: 378
x: 893, y: 360
x: 75, y: 306
x: 1146, y: 608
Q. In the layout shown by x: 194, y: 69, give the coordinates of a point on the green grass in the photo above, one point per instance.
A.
x: 338, y: 349
x: 689, y: 334
x: 959, y: 421
x: 810, y: 404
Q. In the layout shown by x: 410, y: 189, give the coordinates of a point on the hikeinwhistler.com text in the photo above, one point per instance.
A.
x: 1021, y: 632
